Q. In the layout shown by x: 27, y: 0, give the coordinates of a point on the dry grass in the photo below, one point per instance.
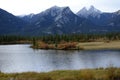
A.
x: 100, y: 45
x: 67, y: 45
x: 85, y: 74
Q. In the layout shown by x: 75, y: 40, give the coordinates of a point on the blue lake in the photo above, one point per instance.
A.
x: 22, y: 58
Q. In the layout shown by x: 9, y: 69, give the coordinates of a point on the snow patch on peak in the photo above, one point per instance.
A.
x: 55, y: 10
x: 29, y: 15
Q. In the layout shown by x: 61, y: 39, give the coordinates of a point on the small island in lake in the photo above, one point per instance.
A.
x: 77, y: 42
x: 67, y: 42
x: 79, y: 45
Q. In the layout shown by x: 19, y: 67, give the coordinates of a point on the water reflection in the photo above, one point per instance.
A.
x: 21, y: 58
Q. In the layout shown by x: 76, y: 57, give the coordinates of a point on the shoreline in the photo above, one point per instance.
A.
x: 16, y: 42
x: 111, y: 45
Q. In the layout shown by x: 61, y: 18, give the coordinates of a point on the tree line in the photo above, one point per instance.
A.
x: 79, y: 37
x: 65, y: 37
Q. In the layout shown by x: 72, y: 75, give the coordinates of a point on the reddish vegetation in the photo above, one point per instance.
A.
x: 67, y: 45
x: 62, y: 45
x: 42, y: 45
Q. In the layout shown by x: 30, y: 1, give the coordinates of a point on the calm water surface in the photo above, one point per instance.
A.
x: 22, y: 58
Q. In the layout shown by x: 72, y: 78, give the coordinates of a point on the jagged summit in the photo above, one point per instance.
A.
x: 87, y: 12
x: 55, y: 10
x: 57, y: 7
x: 83, y: 12
x: 93, y: 9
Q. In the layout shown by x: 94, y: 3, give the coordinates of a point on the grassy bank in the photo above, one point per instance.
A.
x: 100, y: 45
x: 85, y: 74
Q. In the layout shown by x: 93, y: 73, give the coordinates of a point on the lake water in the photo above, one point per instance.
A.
x: 22, y: 58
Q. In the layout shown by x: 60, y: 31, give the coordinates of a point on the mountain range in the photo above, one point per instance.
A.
x: 60, y: 20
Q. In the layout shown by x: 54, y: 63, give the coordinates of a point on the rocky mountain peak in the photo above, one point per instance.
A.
x: 92, y: 11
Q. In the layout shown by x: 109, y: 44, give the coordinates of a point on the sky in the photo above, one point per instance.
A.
x: 22, y: 7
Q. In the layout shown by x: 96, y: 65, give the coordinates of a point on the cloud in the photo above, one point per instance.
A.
x: 18, y: 7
